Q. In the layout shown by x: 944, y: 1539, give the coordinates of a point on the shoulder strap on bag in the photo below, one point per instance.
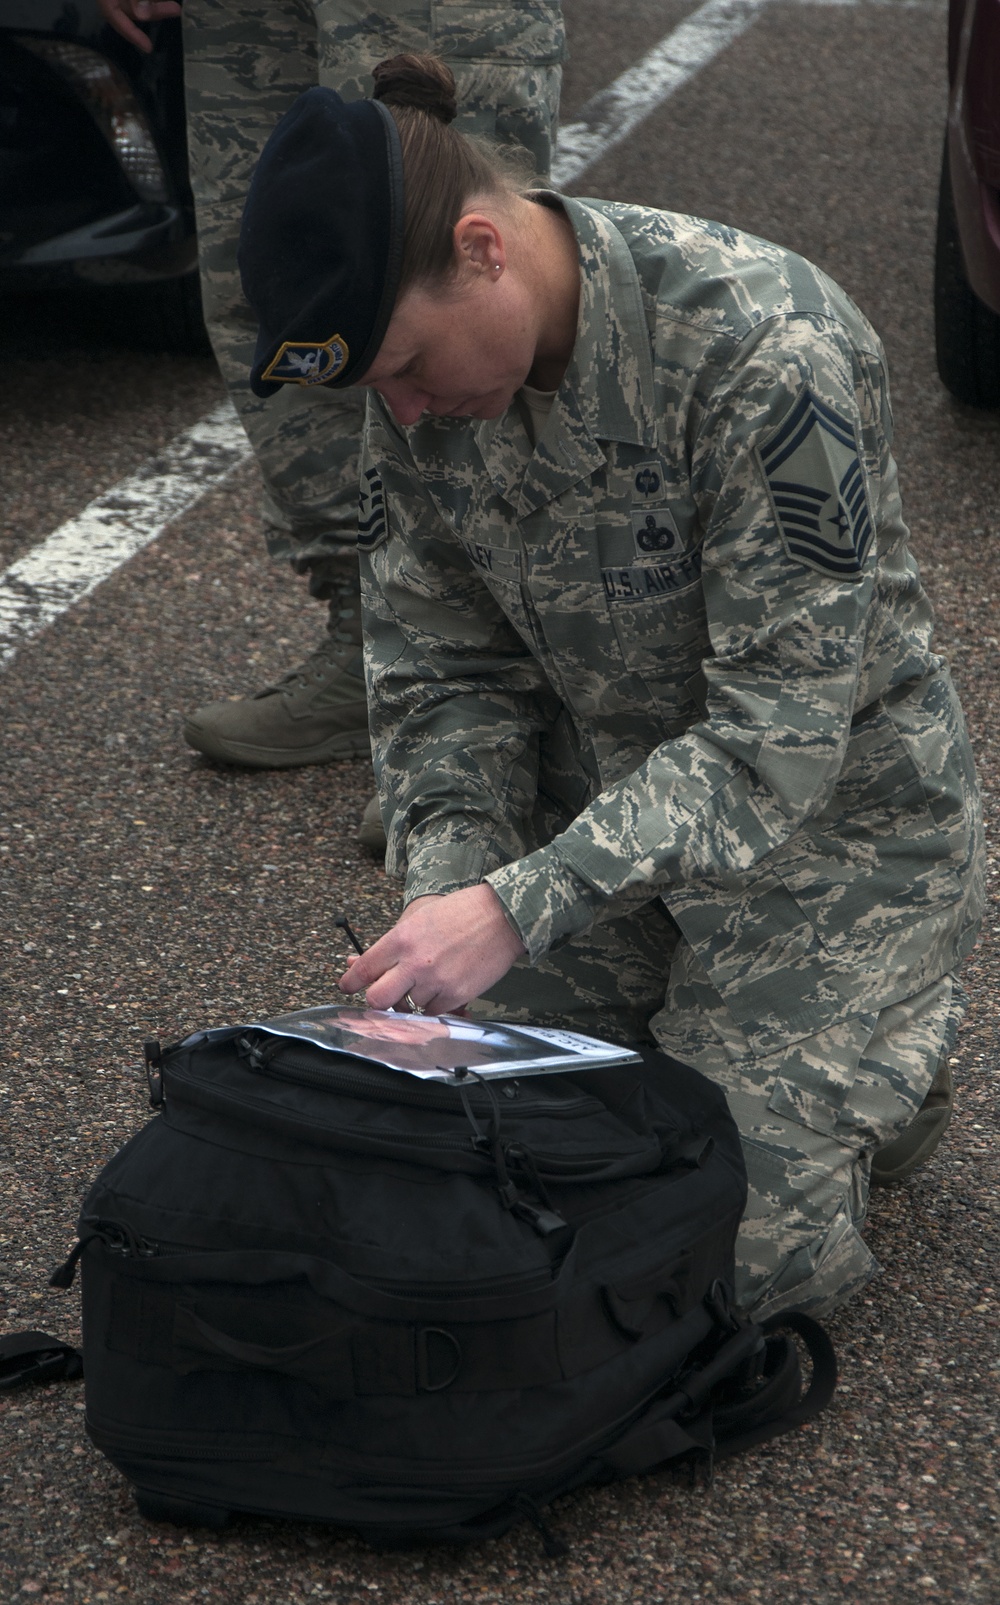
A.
x: 749, y: 1392
x: 36, y: 1357
x: 776, y: 1403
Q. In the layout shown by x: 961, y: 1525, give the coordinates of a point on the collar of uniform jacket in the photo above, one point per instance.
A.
x: 607, y: 390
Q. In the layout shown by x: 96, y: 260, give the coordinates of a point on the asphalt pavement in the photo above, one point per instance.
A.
x: 146, y: 892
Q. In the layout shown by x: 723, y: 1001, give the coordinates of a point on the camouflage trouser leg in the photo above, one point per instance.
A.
x: 245, y: 63
x: 810, y: 1115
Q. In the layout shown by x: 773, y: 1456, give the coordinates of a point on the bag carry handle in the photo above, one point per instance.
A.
x: 191, y: 1332
x: 261, y: 1267
x: 36, y: 1357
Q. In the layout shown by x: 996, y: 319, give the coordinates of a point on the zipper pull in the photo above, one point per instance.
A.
x: 63, y: 1274
x: 543, y: 1221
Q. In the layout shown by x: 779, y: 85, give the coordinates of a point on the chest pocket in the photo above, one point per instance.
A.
x: 663, y: 639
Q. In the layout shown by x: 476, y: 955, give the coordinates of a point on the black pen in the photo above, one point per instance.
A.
x: 341, y: 920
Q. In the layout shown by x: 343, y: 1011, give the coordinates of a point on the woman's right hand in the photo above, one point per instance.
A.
x: 124, y: 15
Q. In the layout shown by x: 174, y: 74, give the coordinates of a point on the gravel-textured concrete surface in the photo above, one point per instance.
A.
x: 146, y: 892
x: 80, y: 414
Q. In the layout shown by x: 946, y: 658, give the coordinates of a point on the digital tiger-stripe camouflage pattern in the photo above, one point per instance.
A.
x: 678, y: 650
x: 245, y: 62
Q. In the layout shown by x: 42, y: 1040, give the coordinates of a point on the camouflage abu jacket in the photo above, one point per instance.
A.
x: 679, y: 647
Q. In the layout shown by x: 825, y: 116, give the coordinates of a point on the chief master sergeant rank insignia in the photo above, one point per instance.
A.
x: 812, y: 450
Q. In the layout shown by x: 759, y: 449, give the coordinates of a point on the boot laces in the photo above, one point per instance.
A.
x: 317, y: 666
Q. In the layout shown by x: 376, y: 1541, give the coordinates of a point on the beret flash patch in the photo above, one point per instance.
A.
x: 306, y: 362
x: 816, y: 483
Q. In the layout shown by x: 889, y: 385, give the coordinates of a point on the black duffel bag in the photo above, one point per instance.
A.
x: 315, y: 1288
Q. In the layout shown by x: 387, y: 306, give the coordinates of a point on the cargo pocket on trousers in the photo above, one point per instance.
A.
x: 818, y: 1083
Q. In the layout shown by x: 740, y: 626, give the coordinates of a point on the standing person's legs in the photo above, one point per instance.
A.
x: 506, y: 59
x: 810, y: 1116
x: 245, y: 62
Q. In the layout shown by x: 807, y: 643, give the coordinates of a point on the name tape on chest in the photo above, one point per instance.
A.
x: 495, y: 560
x: 816, y: 483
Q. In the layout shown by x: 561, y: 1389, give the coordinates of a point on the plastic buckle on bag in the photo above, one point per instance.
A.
x: 717, y: 1304
x: 50, y: 1366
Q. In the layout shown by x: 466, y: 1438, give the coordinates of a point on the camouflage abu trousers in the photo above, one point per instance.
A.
x: 810, y: 1115
x: 245, y: 61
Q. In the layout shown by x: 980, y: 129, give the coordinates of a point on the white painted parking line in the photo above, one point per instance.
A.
x: 614, y: 113
x: 77, y: 556
x: 611, y: 116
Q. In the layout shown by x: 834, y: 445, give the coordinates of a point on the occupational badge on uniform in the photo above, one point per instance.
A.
x: 654, y: 531
x: 812, y: 465
x: 648, y: 479
x: 307, y: 362
x: 373, y: 526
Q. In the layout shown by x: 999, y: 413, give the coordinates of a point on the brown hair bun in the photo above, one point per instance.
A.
x: 421, y: 81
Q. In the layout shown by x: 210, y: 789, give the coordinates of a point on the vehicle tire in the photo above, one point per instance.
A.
x: 966, y: 330
x: 164, y: 316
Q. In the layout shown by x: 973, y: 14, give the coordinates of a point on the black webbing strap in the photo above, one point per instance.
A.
x: 777, y: 1403
x: 36, y: 1357
x: 188, y: 1328
x: 681, y: 1422
x: 750, y: 1392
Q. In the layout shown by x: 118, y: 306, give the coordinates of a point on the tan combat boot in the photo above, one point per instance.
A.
x: 371, y: 833
x: 315, y: 712
x: 912, y: 1148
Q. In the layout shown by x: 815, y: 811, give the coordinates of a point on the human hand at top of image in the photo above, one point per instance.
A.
x: 444, y: 951
x: 125, y: 15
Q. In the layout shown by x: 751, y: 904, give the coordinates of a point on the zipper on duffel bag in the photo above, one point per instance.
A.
x: 557, y: 1166
x: 119, y: 1238
x: 295, y: 1068
x: 149, y: 1444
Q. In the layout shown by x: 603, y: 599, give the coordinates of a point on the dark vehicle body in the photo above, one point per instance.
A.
x: 94, y: 187
x: 967, y: 277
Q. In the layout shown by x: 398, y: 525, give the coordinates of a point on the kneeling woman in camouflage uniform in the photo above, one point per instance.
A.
x: 662, y: 746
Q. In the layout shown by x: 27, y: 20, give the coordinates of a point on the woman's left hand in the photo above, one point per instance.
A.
x: 444, y: 951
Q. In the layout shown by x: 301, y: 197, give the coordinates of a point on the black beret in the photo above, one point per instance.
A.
x: 321, y: 243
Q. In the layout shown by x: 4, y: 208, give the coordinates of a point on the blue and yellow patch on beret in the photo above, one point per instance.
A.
x: 321, y: 244
x: 308, y: 362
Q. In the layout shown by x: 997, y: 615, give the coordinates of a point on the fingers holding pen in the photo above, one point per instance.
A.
x: 378, y: 976
x: 443, y: 951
